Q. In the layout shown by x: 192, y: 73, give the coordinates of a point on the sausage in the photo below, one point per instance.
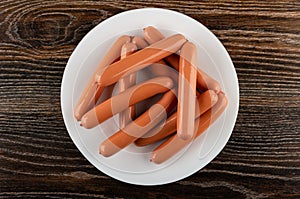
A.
x: 140, y: 59
x: 152, y: 35
x: 155, y: 68
x: 120, y: 102
x: 174, y: 144
x: 128, y: 114
x: 205, y: 101
x: 139, y: 42
x: 106, y: 94
x: 187, y: 91
x: 138, y: 127
x: 92, y: 91
x: 204, y: 81
x: 161, y: 68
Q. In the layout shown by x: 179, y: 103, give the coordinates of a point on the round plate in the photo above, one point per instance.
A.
x: 132, y: 164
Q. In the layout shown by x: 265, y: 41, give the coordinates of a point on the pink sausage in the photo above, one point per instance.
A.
x: 140, y: 59
x: 92, y: 91
x: 139, y: 42
x: 128, y: 114
x: 205, y: 101
x: 187, y: 91
x: 120, y: 102
x: 138, y: 127
x: 204, y: 81
x: 174, y: 144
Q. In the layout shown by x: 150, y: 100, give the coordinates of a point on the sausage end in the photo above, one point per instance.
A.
x: 77, y: 115
x: 185, y: 136
x: 85, y: 123
x: 103, y: 150
x: 155, y: 159
x: 213, y: 96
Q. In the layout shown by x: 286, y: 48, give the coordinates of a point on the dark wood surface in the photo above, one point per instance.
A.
x: 39, y: 160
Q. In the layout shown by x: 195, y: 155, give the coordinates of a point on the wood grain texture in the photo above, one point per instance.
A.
x: 38, y: 158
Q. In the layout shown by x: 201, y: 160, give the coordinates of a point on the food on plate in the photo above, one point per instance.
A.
x: 205, y: 102
x: 174, y: 144
x: 138, y: 127
x: 189, y: 99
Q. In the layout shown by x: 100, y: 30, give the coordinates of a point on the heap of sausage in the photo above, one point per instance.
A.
x: 200, y: 99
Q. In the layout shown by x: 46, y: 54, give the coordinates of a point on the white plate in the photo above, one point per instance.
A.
x: 132, y: 165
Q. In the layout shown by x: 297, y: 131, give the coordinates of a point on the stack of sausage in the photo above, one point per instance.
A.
x: 199, y: 103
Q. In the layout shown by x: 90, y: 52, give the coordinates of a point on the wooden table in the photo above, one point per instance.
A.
x: 37, y: 157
